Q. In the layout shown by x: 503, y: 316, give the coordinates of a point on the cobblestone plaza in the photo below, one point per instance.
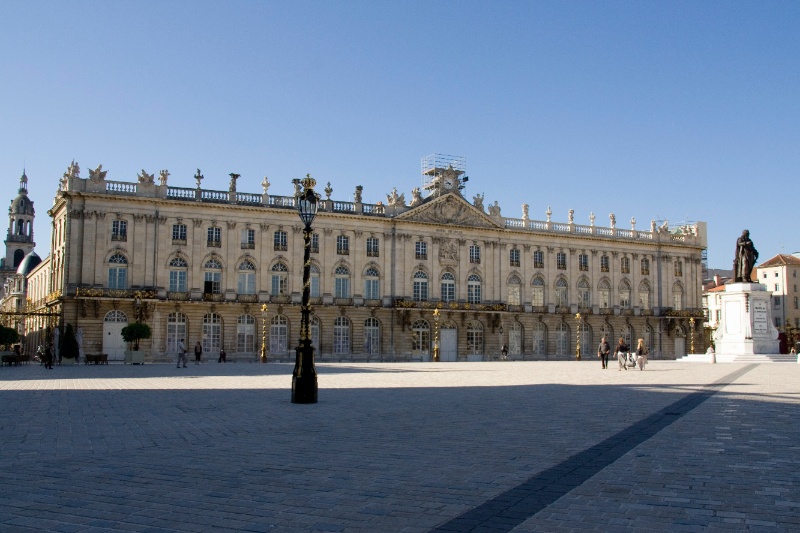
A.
x: 413, y: 447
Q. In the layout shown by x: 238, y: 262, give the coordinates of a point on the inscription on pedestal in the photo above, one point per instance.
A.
x: 760, y: 317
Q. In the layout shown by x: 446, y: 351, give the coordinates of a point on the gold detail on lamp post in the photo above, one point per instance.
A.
x: 264, y: 333
x: 578, y: 341
x: 436, y: 335
x: 691, y: 334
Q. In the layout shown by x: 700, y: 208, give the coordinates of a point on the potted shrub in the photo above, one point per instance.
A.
x: 132, y: 334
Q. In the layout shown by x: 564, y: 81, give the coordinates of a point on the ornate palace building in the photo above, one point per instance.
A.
x: 199, y: 264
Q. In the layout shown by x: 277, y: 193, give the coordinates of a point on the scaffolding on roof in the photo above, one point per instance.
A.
x: 434, y: 165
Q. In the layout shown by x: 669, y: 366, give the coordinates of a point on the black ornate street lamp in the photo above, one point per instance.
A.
x: 304, y: 377
x: 263, y: 333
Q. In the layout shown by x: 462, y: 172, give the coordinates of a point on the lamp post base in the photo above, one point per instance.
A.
x: 304, y: 389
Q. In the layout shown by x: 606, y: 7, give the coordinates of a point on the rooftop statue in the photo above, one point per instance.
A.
x: 162, y: 177
x: 746, y: 257
x: 145, y: 178
x: 97, y: 174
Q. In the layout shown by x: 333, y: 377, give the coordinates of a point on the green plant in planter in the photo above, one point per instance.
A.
x: 133, y: 333
x: 8, y: 336
x: 69, y: 344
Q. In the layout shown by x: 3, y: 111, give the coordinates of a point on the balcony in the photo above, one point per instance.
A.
x: 372, y: 253
x: 214, y: 244
x: 247, y: 298
x: 279, y: 247
x: 178, y: 296
x: 119, y: 237
x: 181, y: 242
x: 213, y: 297
x: 248, y: 245
x: 343, y: 251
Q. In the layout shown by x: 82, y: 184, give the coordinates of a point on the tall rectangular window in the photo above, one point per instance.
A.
x: 421, y: 250
x: 280, y: 241
x: 372, y: 246
x: 625, y: 265
x: 538, y: 259
x: 177, y: 281
x: 315, y: 243
x: 583, y: 262
x: 214, y: 237
x: 343, y: 245
x: 474, y: 254
x: 248, y: 239
x: 119, y: 230
x: 513, y: 257
x: 179, y: 233
x: 561, y: 260
x: 604, y: 263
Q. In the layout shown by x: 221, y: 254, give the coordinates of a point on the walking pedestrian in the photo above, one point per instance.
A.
x: 621, y: 353
x: 641, y: 354
x: 222, y: 356
x: 602, y: 352
x: 182, y: 354
x: 48, y: 358
x: 198, y: 352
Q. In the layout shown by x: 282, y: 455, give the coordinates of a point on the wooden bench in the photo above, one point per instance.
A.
x: 96, y: 358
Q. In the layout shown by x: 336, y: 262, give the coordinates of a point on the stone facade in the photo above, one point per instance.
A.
x: 198, y: 264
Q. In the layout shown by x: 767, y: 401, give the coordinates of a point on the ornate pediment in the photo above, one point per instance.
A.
x: 449, y: 209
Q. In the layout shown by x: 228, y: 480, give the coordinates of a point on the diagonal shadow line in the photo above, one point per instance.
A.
x: 507, y: 510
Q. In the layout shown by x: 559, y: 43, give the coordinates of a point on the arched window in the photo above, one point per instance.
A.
x: 420, y: 288
x: 448, y: 287
x: 115, y: 315
x: 19, y: 255
x: 624, y: 295
x: 627, y: 334
x: 515, y: 336
x: 117, y: 272
x: 280, y: 279
x: 604, y: 292
x: 247, y: 278
x: 514, y: 290
x: 372, y: 280
x: 644, y: 295
x: 341, y: 336
x: 677, y: 297
x: 246, y: 334
x: 212, y: 276
x: 645, y: 266
x: 176, y: 331
x: 586, y: 339
x: 539, y: 338
x: 372, y: 336
x: 474, y: 289
x: 314, y: 288
x: 475, y: 337
x: 562, y: 339
x: 279, y: 335
x: 584, y: 293
x: 315, y: 333
x: 625, y: 265
x: 178, y: 271
x: 421, y: 337
x: 562, y: 294
x: 537, y: 292
x: 212, y: 333
x: 647, y: 335
x: 608, y: 332
x: 342, y: 282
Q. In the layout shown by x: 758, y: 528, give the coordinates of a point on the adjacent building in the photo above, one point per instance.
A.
x: 199, y: 265
x: 780, y: 275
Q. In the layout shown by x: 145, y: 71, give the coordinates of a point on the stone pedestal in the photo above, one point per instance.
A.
x: 746, y: 326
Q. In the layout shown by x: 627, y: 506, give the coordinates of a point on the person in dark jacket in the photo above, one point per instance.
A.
x: 602, y: 352
x: 198, y: 353
x: 621, y: 353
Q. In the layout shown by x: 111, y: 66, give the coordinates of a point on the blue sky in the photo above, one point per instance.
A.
x: 676, y: 111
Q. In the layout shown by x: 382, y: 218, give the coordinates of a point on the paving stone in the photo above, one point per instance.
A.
x: 401, y: 447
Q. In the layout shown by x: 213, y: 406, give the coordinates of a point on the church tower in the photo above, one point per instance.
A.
x: 19, y: 241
